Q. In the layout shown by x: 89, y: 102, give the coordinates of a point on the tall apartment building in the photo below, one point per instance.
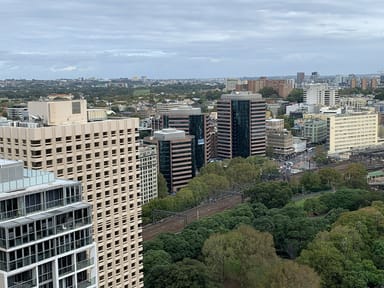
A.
x: 176, y: 156
x: 321, y: 94
x: 148, y: 172
x: 240, y: 125
x: 195, y: 123
x: 349, y: 131
x: 45, y: 231
x: 282, y: 86
x: 103, y: 156
x: 300, y: 77
x: 230, y: 84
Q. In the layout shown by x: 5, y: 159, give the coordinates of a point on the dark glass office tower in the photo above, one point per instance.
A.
x: 192, y: 122
x: 240, y: 125
x: 176, y: 156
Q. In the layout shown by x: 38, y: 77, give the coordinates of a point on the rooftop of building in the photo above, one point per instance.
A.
x: 242, y: 96
x: 14, y: 178
x: 185, y: 110
x: 169, y: 134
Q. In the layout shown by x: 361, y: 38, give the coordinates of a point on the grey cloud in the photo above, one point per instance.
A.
x: 167, y: 38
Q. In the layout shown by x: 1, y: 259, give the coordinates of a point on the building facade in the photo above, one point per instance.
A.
x: 103, y: 156
x: 315, y: 130
x: 321, y: 94
x: 282, y: 86
x: 279, y: 141
x: 240, y: 125
x: 175, y: 156
x: 45, y: 231
x: 148, y: 173
x: 350, y: 131
x: 195, y: 123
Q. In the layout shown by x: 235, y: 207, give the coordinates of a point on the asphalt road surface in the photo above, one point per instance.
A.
x: 176, y: 223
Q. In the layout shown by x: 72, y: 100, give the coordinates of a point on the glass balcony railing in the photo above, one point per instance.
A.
x: 26, y: 284
x: 84, y: 263
x: 86, y: 283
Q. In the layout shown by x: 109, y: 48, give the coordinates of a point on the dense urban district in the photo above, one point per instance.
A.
x: 94, y: 172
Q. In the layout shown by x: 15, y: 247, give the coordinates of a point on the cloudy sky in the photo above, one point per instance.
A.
x: 45, y: 39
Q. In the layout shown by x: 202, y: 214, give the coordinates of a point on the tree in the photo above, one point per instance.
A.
x: 345, y: 256
x: 155, y: 257
x: 310, y: 181
x: 242, y: 174
x: 355, y: 176
x: 296, y: 95
x: 233, y: 256
x: 330, y: 178
x: 268, y: 92
x: 188, y: 273
x: 289, y: 274
x: 246, y: 258
x: 273, y: 194
x: 162, y: 188
x: 320, y: 156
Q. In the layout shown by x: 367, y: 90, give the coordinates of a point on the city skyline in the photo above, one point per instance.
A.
x: 180, y: 39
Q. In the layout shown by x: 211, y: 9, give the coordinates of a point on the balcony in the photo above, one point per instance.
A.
x: 26, y: 284
x: 86, y: 283
x: 84, y: 263
x: 66, y: 270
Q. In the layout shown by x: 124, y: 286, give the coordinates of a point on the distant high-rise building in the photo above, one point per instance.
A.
x: 240, y: 125
x: 364, y: 83
x: 353, y: 83
x: 374, y: 83
x: 230, y: 84
x: 103, y: 155
x: 175, y: 156
x: 300, y: 78
x: 195, y: 123
x: 283, y: 87
x: 315, y: 77
x: 148, y: 172
x: 382, y: 79
x: 321, y: 94
x: 45, y: 231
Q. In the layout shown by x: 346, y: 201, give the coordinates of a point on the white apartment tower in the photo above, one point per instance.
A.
x: 321, y: 94
x: 148, y: 173
x: 103, y: 156
x: 45, y: 231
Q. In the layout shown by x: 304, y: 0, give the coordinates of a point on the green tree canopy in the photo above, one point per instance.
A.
x: 246, y: 258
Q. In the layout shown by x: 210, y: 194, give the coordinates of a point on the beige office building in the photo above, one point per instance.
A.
x: 350, y: 131
x: 103, y: 156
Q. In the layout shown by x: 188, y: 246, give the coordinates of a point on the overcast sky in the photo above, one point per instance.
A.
x: 46, y: 39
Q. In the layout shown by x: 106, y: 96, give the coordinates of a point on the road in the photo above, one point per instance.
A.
x: 176, y: 224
